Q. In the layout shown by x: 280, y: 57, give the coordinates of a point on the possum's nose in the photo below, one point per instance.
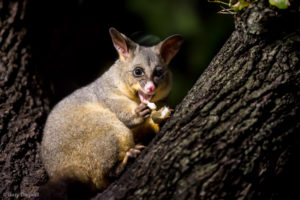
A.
x: 150, y: 87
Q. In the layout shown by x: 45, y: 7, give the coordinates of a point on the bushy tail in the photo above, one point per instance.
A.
x: 67, y: 187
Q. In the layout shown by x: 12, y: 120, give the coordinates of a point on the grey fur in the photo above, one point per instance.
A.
x: 89, y: 132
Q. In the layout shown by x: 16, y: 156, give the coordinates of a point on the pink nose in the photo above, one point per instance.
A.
x: 150, y: 87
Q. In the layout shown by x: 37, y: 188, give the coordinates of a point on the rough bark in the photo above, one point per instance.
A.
x: 236, y: 134
x: 23, y: 107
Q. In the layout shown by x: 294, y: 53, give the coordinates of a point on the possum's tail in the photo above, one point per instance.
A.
x: 66, y: 187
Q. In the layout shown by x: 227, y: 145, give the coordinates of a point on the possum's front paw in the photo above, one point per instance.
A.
x: 161, y: 115
x: 143, y: 111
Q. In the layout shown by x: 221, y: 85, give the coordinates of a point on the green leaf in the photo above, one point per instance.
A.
x: 281, y: 4
x: 240, y: 5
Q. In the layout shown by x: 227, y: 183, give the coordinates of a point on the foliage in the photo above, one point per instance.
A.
x: 282, y: 4
x: 234, y: 6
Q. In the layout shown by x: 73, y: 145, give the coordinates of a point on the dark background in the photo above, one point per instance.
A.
x: 72, y: 46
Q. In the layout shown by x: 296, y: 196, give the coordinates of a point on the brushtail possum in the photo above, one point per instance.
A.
x: 90, y: 134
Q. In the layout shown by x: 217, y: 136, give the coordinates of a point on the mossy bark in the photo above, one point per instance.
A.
x: 23, y: 107
x: 236, y: 134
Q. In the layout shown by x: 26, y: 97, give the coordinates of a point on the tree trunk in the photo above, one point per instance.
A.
x: 236, y: 134
x: 23, y: 107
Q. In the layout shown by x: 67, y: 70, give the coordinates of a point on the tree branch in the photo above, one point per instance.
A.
x: 234, y: 136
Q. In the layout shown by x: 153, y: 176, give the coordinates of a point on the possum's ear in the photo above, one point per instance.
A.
x: 169, y: 47
x: 124, y: 45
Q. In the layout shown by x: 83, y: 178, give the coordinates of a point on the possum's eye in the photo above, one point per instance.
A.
x: 138, y: 72
x: 158, y: 73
